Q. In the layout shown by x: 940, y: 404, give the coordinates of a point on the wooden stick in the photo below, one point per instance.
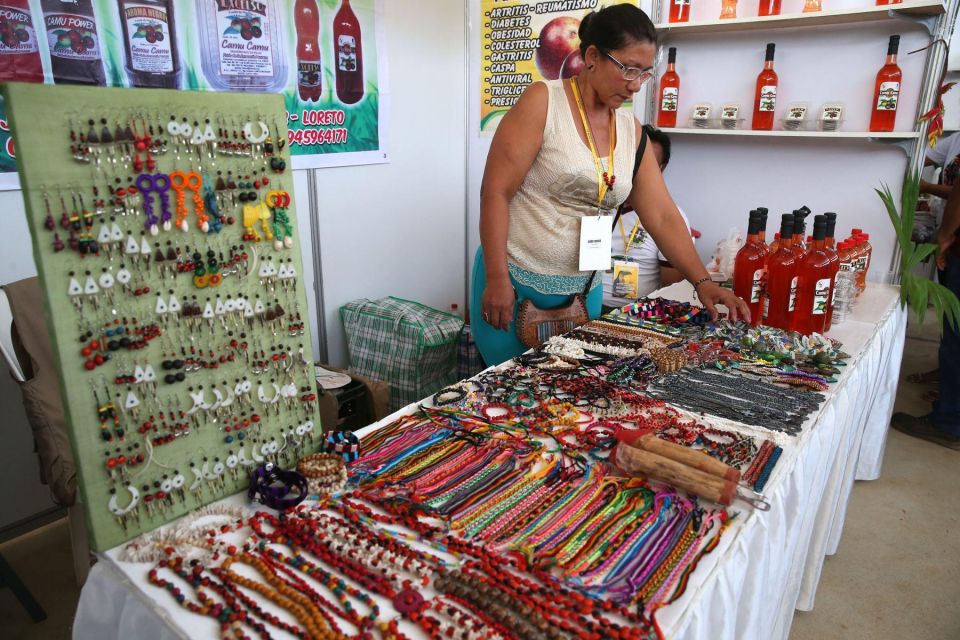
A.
x: 640, y: 462
x: 685, y: 455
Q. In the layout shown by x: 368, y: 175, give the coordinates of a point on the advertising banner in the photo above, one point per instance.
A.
x: 524, y: 41
x: 323, y: 56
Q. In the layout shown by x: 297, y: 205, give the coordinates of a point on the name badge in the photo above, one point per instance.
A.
x: 595, y: 249
x: 626, y: 276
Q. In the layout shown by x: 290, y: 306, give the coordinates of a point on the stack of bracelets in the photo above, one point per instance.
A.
x: 326, y: 473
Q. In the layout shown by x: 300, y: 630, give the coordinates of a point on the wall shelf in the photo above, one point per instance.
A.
x: 748, y: 133
x: 916, y: 9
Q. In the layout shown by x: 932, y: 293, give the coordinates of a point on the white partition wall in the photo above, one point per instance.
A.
x: 397, y: 229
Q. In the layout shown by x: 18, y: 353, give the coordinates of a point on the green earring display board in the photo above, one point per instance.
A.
x: 164, y: 232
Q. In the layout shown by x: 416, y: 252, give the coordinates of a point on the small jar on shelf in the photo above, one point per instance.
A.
x: 831, y: 116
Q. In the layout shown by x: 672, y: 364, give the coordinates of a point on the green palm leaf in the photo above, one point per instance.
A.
x: 915, y: 292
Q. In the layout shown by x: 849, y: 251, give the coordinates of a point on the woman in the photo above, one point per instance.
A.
x: 562, y: 153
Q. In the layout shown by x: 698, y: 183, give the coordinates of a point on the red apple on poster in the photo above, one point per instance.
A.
x: 573, y: 65
x: 558, y: 39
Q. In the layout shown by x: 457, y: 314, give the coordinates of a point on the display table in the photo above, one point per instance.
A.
x: 766, y: 565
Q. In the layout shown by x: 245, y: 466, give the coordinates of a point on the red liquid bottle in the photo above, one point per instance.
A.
x: 765, y: 99
x: 748, y: 272
x: 679, y: 10
x: 775, y: 245
x: 799, y: 231
x: 306, y: 16
x: 19, y: 47
x: 669, y: 92
x: 150, y: 41
x: 769, y: 8
x: 829, y: 245
x: 763, y: 212
x: 886, y: 92
x: 814, y: 280
x: 348, y: 58
x: 881, y: 3
x: 782, y: 279
x: 71, y: 31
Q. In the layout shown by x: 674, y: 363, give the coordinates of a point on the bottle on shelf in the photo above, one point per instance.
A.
x: 19, y: 46
x: 150, y: 43
x: 679, y: 10
x: 348, y: 58
x: 765, y: 98
x: 814, y: 281
x: 829, y: 245
x: 71, y: 32
x: 769, y: 8
x: 669, y: 92
x: 886, y: 92
x: 748, y: 271
x: 782, y: 279
x: 306, y: 17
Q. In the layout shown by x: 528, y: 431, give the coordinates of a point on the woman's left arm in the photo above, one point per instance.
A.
x: 660, y: 217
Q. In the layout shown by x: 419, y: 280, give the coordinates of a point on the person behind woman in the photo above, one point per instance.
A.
x: 545, y: 173
x: 642, y: 268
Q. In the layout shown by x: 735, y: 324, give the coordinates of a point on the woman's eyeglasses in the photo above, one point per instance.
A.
x: 631, y: 73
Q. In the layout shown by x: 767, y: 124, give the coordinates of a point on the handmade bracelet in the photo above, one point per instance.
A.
x: 320, y: 464
x: 345, y: 444
x: 450, y: 395
x: 700, y: 282
x: 277, y: 488
x: 487, y: 411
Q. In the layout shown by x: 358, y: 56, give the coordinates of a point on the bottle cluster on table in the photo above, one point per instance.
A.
x: 791, y: 284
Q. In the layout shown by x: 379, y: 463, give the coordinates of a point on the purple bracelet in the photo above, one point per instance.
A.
x: 277, y: 488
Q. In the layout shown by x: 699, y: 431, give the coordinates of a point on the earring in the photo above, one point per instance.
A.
x: 590, y: 67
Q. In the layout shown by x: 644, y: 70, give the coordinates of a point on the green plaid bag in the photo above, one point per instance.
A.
x: 411, y: 346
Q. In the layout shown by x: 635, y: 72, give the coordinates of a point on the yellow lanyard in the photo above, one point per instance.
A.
x: 605, y: 179
x: 633, y: 234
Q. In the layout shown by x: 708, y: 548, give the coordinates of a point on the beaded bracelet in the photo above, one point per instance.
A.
x: 277, y: 488
x: 320, y: 464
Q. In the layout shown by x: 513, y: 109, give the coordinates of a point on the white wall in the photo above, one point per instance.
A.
x: 398, y: 228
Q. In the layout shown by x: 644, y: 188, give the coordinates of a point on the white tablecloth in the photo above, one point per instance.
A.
x: 766, y: 565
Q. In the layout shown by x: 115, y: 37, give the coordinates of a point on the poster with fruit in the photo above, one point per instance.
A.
x: 323, y: 56
x: 524, y: 41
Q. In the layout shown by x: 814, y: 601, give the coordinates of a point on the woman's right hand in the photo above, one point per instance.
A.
x: 496, y: 306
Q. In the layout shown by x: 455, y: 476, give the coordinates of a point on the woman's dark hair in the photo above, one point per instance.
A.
x: 615, y: 27
x: 661, y: 138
